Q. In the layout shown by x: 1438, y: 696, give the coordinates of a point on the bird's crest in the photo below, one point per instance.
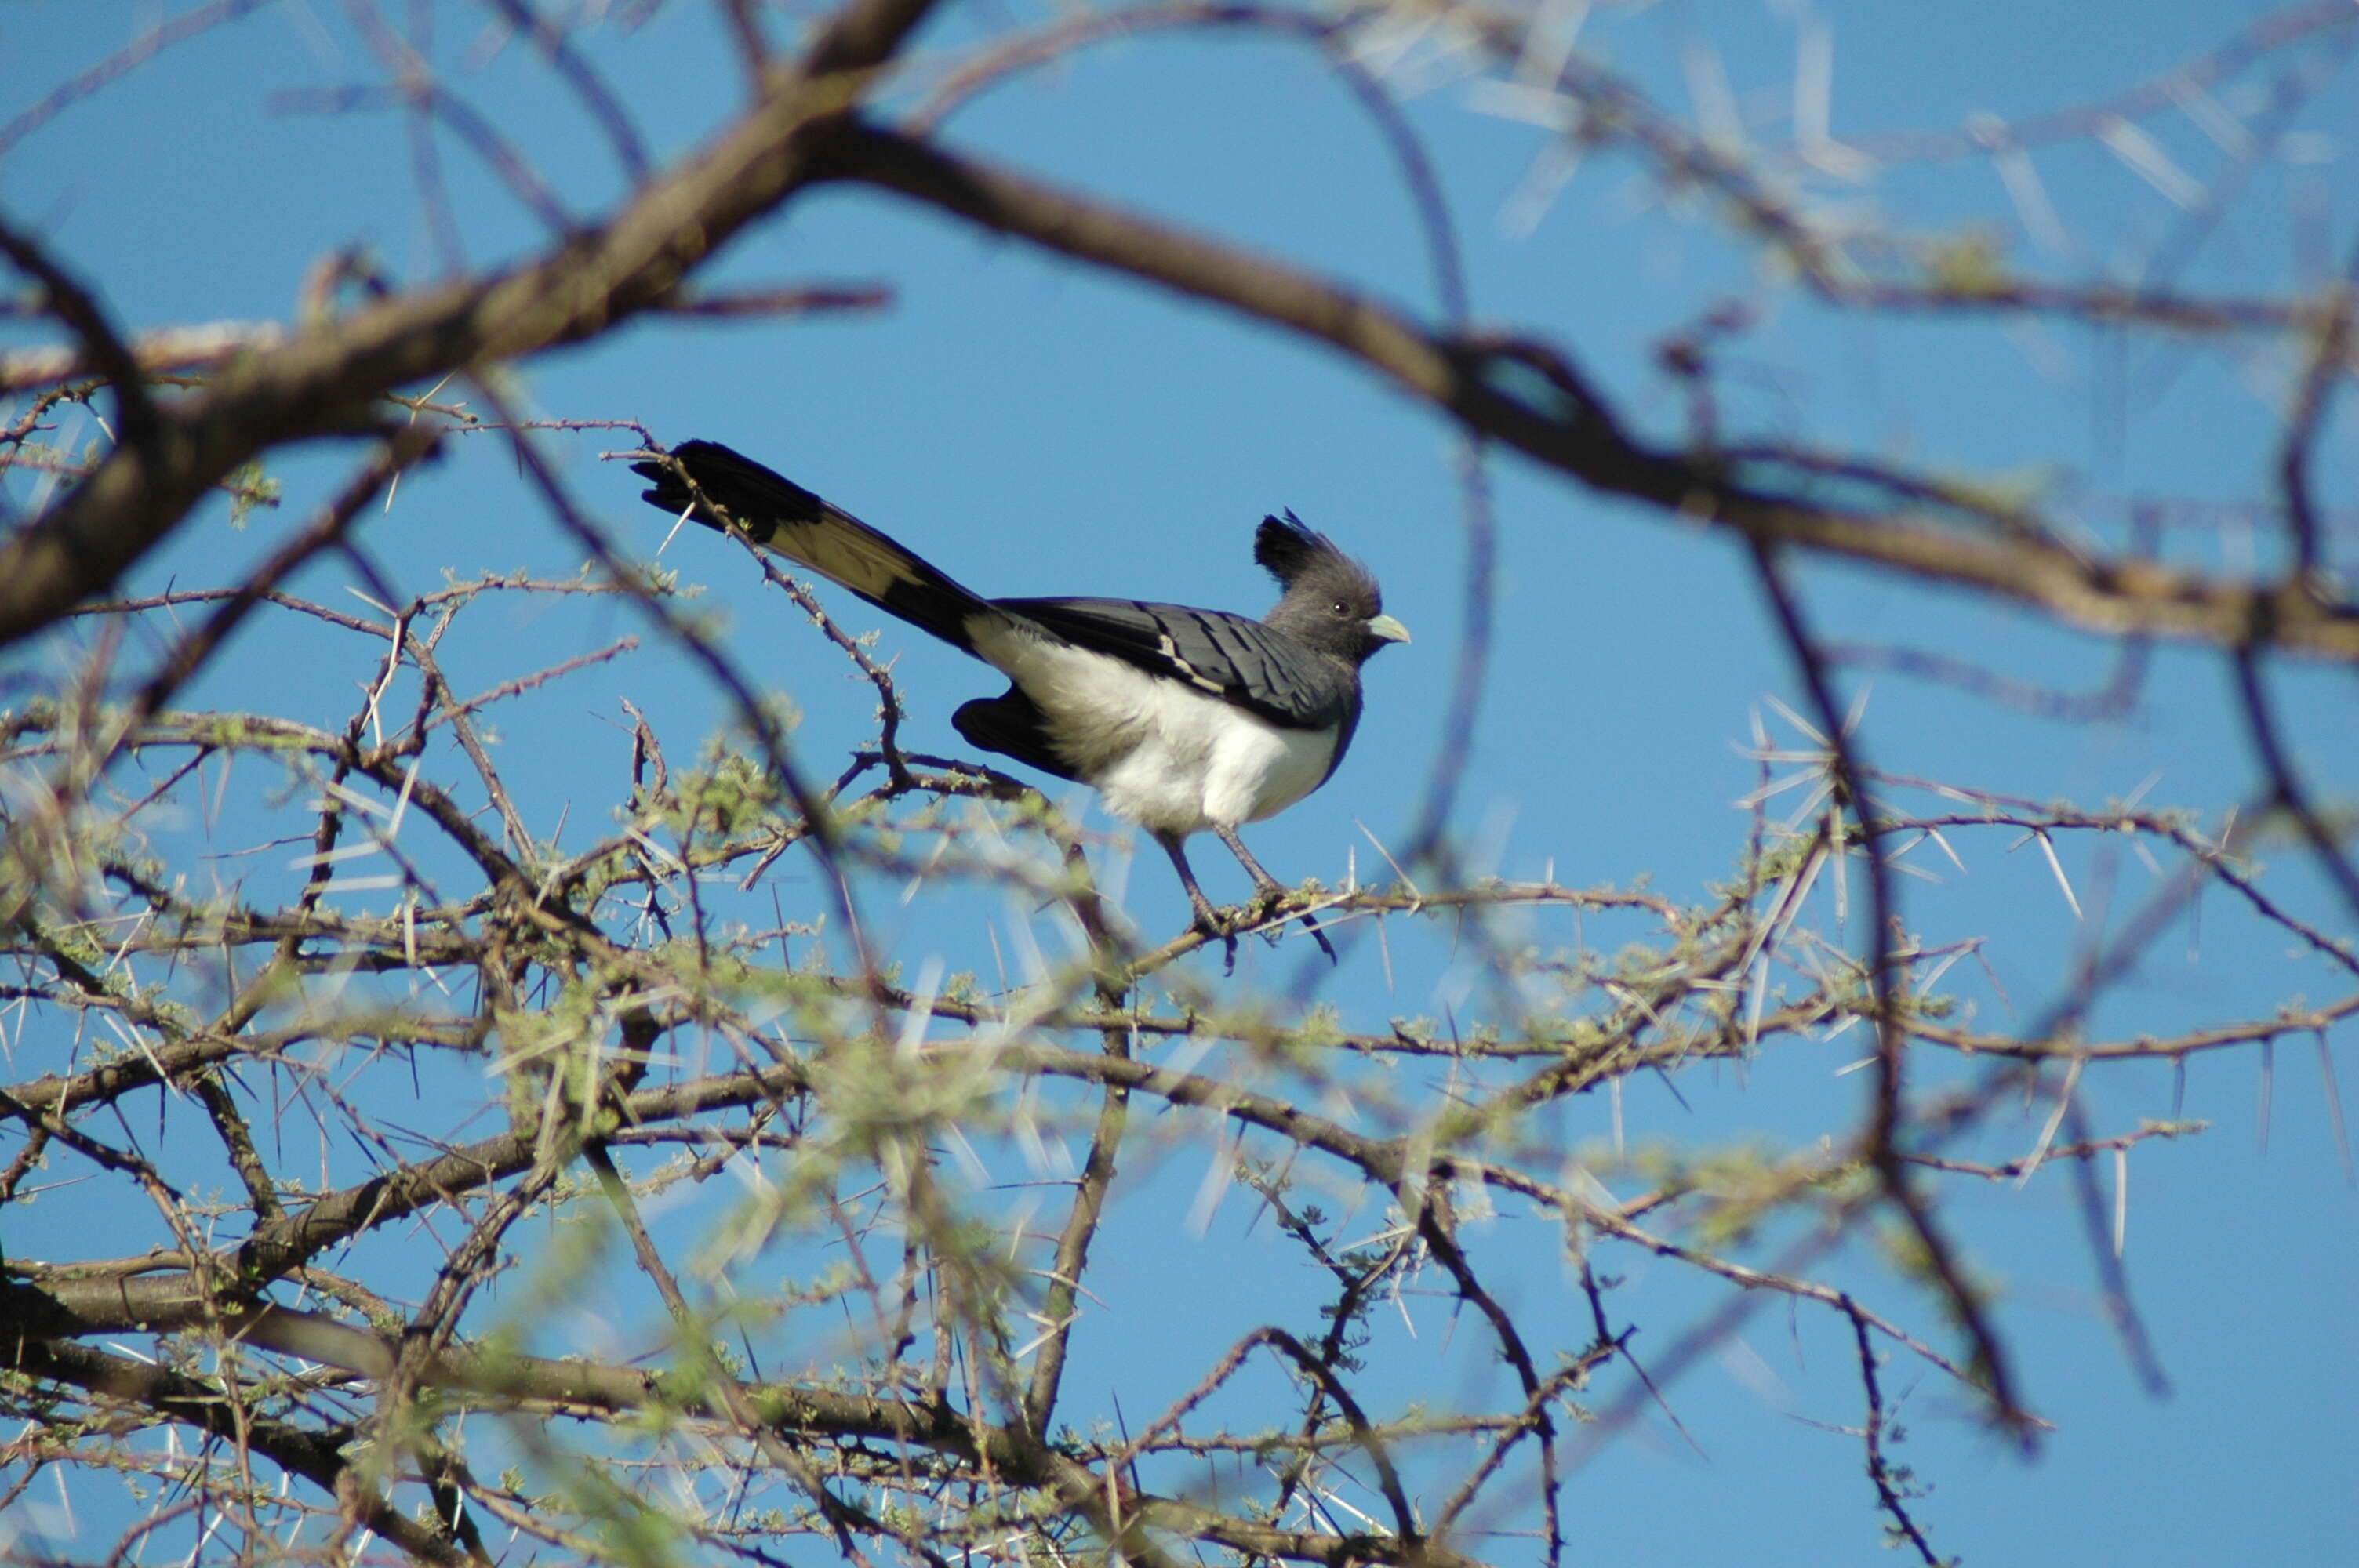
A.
x: 1288, y: 546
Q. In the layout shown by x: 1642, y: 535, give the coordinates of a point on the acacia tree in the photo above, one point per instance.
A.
x: 456, y: 1191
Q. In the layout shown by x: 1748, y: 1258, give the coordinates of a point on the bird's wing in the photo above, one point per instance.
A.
x: 1233, y: 657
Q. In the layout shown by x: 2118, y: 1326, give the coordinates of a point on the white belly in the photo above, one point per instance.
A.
x: 1168, y: 758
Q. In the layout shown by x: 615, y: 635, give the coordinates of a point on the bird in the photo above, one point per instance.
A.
x: 1183, y: 720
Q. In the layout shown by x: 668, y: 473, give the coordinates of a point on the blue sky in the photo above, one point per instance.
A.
x: 1037, y: 429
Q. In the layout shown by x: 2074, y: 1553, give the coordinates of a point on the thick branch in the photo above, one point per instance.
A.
x: 1529, y: 396
x: 323, y: 382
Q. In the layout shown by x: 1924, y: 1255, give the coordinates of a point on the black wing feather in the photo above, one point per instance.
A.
x: 1013, y: 725
x: 1230, y: 656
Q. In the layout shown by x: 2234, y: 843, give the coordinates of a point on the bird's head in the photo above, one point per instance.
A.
x: 1332, y: 602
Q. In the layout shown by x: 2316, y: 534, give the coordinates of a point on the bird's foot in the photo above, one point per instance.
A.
x: 1225, y: 925
x: 1319, y: 934
x: 1216, y: 925
x: 1269, y: 897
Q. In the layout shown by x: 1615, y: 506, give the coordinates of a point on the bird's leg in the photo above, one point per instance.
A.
x: 1267, y: 890
x: 1208, y: 919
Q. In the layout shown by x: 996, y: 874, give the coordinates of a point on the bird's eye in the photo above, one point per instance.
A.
x: 1339, y: 608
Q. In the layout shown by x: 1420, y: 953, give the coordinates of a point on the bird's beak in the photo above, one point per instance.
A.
x: 1385, y: 629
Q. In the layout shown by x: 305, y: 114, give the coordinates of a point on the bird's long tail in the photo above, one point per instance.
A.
x: 780, y: 515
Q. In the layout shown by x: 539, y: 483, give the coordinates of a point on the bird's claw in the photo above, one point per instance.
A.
x: 1271, y: 900
x: 1226, y: 925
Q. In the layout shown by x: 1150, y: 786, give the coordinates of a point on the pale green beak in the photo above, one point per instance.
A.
x: 1386, y: 629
